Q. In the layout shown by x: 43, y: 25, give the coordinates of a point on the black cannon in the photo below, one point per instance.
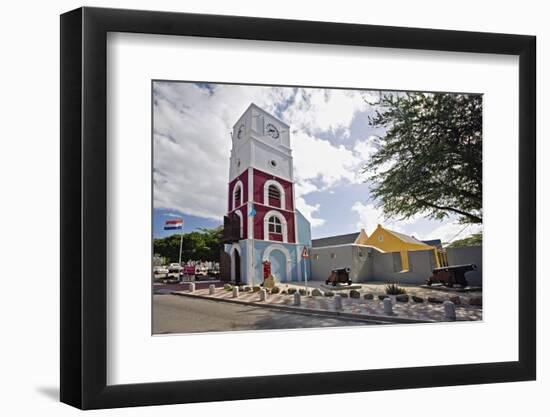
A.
x: 450, y: 275
x: 339, y: 276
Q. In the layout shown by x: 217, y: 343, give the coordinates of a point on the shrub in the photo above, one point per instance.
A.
x: 382, y: 296
x: 246, y: 288
x: 283, y: 292
x: 228, y: 287
x: 302, y: 291
x: 275, y: 290
x: 368, y: 296
x: 393, y: 289
x: 343, y: 295
x: 417, y: 299
x: 291, y: 291
x: 329, y: 294
x: 434, y: 300
x: 256, y: 288
x: 316, y: 293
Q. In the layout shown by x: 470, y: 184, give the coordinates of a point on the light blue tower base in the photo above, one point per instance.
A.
x: 287, y: 264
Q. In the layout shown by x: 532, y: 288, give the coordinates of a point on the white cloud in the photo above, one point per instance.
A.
x: 370, y: 216
x: 316, y: 110
x: 330, y: 164
x: 308, y: 211
x: 452, y: 231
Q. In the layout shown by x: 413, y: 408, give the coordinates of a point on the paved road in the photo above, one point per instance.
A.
x: 175, y: 314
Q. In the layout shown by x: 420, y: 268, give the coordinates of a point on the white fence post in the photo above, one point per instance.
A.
x: 235, y: 292
x: 338, y: 302
x: 263, y: 294
x: 388, y: 307
x: 450, y: 312
x: 192, y: 287
x: 297, y: 298
x: 211, y: 289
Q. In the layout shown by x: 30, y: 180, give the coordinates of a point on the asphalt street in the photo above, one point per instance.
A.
x: 175, y: 314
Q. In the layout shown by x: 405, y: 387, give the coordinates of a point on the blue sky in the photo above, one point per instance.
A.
x: 191, y: 138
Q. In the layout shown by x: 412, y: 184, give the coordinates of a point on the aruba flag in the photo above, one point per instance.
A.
x: 252, y: 211
x: 174, y: 224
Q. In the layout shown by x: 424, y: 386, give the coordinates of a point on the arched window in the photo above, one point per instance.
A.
x: 274, y: 226
x: 274, y: 194
x: 238, y: 195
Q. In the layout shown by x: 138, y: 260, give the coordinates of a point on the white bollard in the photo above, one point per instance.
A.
x: 235, y: 292
x: 263, y: 294
x: 297, y: 298
x: 192, y: 287
x: 388, y: 308
x: 450, y: 313
x: 211, y: 289
x: 338, y: 302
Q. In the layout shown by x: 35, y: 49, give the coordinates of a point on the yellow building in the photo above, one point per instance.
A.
x: 389, y: 241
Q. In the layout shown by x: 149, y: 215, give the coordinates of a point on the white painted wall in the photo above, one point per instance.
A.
x: 29, y: 171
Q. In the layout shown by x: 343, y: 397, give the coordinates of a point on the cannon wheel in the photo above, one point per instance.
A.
x: 349, y: 282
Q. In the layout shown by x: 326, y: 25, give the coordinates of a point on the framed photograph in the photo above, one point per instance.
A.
x: 261, y: 208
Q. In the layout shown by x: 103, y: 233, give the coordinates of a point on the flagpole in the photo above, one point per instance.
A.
x: 181, y: 242
x: 181, y: 245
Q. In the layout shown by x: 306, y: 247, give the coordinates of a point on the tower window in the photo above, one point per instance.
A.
x: 274, y: 196
x: 274, y: 225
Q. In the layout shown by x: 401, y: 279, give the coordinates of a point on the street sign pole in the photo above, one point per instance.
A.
x: 305, y: 255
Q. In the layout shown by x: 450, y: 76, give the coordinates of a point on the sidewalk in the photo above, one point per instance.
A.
x: 356, y: 308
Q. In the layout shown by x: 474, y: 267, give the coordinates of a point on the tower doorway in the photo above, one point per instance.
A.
x: 237, y: 266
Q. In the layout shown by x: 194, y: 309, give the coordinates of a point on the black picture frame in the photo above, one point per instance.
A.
x: 84, y: 207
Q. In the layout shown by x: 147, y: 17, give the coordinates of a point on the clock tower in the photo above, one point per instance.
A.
x: 262, y: 224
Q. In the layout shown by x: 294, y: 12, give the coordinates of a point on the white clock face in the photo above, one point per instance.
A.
x: 240, y: 132
x: 271, y: 131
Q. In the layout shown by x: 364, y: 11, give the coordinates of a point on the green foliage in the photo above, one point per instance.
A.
x: 275, y: 290
x: 228, y: 287
x: 202, y: 245
x: 473, y: 240
x: 393, y: 289
x: 430, y: 158
x: 302, y: 291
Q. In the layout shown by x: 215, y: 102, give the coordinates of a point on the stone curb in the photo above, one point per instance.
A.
x: 311, y: 311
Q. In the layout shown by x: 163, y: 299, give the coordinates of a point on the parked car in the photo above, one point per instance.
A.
x: 160, y: 272
x: 200, y: 272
